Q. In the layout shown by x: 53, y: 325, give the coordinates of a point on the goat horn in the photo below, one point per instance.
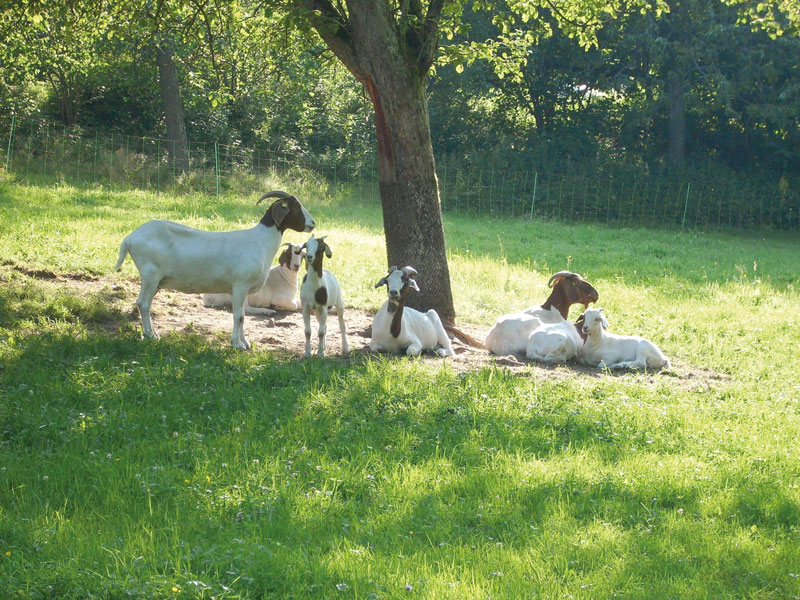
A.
x: 274, y: 194
x: 410, y: 271
x: 558, y: 276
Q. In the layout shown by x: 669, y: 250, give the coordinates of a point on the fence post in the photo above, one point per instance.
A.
x: 686, y: 204
x: 216, y: 162
x: 533, y: 200
x: 94, y: 167
x: 10, y: 142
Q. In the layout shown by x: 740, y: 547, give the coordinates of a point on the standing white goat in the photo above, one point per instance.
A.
x: 556, y: 342
x: 511, y: 332
x: 319, y: 291
x: 396, y: 328
x: 613, y: 351
x: 280, y: 289
x: 173, y: 256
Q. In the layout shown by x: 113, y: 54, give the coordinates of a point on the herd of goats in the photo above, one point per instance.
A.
x: 235, y: 268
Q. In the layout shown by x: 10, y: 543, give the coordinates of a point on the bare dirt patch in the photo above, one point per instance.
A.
x: 284, y: 332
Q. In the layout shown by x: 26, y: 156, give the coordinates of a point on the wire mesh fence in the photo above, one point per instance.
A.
x: 38, y: 149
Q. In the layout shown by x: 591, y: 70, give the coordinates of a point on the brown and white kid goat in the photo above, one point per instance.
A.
x: 319, y: 291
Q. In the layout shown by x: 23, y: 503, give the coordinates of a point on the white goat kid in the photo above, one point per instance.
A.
x: 319, y: 291
x: 556, y: 342
x: 397, y: 329
x: 279, y: 291
x: 613, y: 351
x: 173, y: 256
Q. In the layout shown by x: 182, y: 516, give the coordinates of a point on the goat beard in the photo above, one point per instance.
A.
x: 392, y: 308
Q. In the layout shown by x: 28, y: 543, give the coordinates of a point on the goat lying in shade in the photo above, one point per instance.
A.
x: 511, y: 332
x: 556, y: 342
x: 397, y: 329
x: 173, y: 256
x: 319, y: 291
x: 279, y: 291
x: 614, y: 351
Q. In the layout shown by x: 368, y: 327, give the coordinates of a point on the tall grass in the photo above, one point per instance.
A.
x: 181, y: 468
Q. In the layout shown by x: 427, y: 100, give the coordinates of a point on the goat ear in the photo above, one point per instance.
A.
x: 380, y: 283
x: 604, y: 321
x: 279, y: 211
x: 328, y: 251
x: 413, y: 284
x: 285, y: 257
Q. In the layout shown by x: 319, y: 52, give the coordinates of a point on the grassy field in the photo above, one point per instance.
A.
x: 180, y: 468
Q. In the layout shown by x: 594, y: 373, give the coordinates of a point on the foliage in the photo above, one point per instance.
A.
x: 514, y: 87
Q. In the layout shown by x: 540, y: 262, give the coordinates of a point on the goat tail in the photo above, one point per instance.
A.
x: 463, y: 337
x: 123, y: 252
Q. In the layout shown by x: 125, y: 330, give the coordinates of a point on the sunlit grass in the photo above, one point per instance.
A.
x: 181, y: 468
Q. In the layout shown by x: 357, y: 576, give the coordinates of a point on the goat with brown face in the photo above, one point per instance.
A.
x: 319, y: 291
x: 568, y: 289
x: 396, y: 328
x: 173, y: 256
x: 511, y: 332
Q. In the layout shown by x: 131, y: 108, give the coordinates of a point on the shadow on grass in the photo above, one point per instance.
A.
x: 270, y: 467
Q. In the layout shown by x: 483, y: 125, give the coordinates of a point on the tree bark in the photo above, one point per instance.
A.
x: 393, y: 64
x: 676, y: 122
x: 173, y: 107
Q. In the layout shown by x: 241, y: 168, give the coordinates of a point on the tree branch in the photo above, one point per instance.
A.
x: 429, y: 35
x: 333, y: 27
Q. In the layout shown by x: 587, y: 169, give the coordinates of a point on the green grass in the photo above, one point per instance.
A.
x: 181, y: 468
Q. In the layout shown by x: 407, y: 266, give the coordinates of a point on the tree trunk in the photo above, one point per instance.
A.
x: 412, y: 217
x: 172, y: 107
x: 676, y: 134
x: 388, y: 63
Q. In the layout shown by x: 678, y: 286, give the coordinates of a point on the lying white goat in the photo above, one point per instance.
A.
x: 319, y: 291
x: 511, y: 332
x: 556, y: 342
x: 613, y: 351
x: 173, y: 256
x: 280, y: 289
x: 397, y: 329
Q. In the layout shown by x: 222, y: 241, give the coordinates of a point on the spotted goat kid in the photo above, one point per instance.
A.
x: 319, y: 291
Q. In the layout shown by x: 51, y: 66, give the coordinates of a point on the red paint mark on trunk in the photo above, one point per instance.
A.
x: 385, y: 149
